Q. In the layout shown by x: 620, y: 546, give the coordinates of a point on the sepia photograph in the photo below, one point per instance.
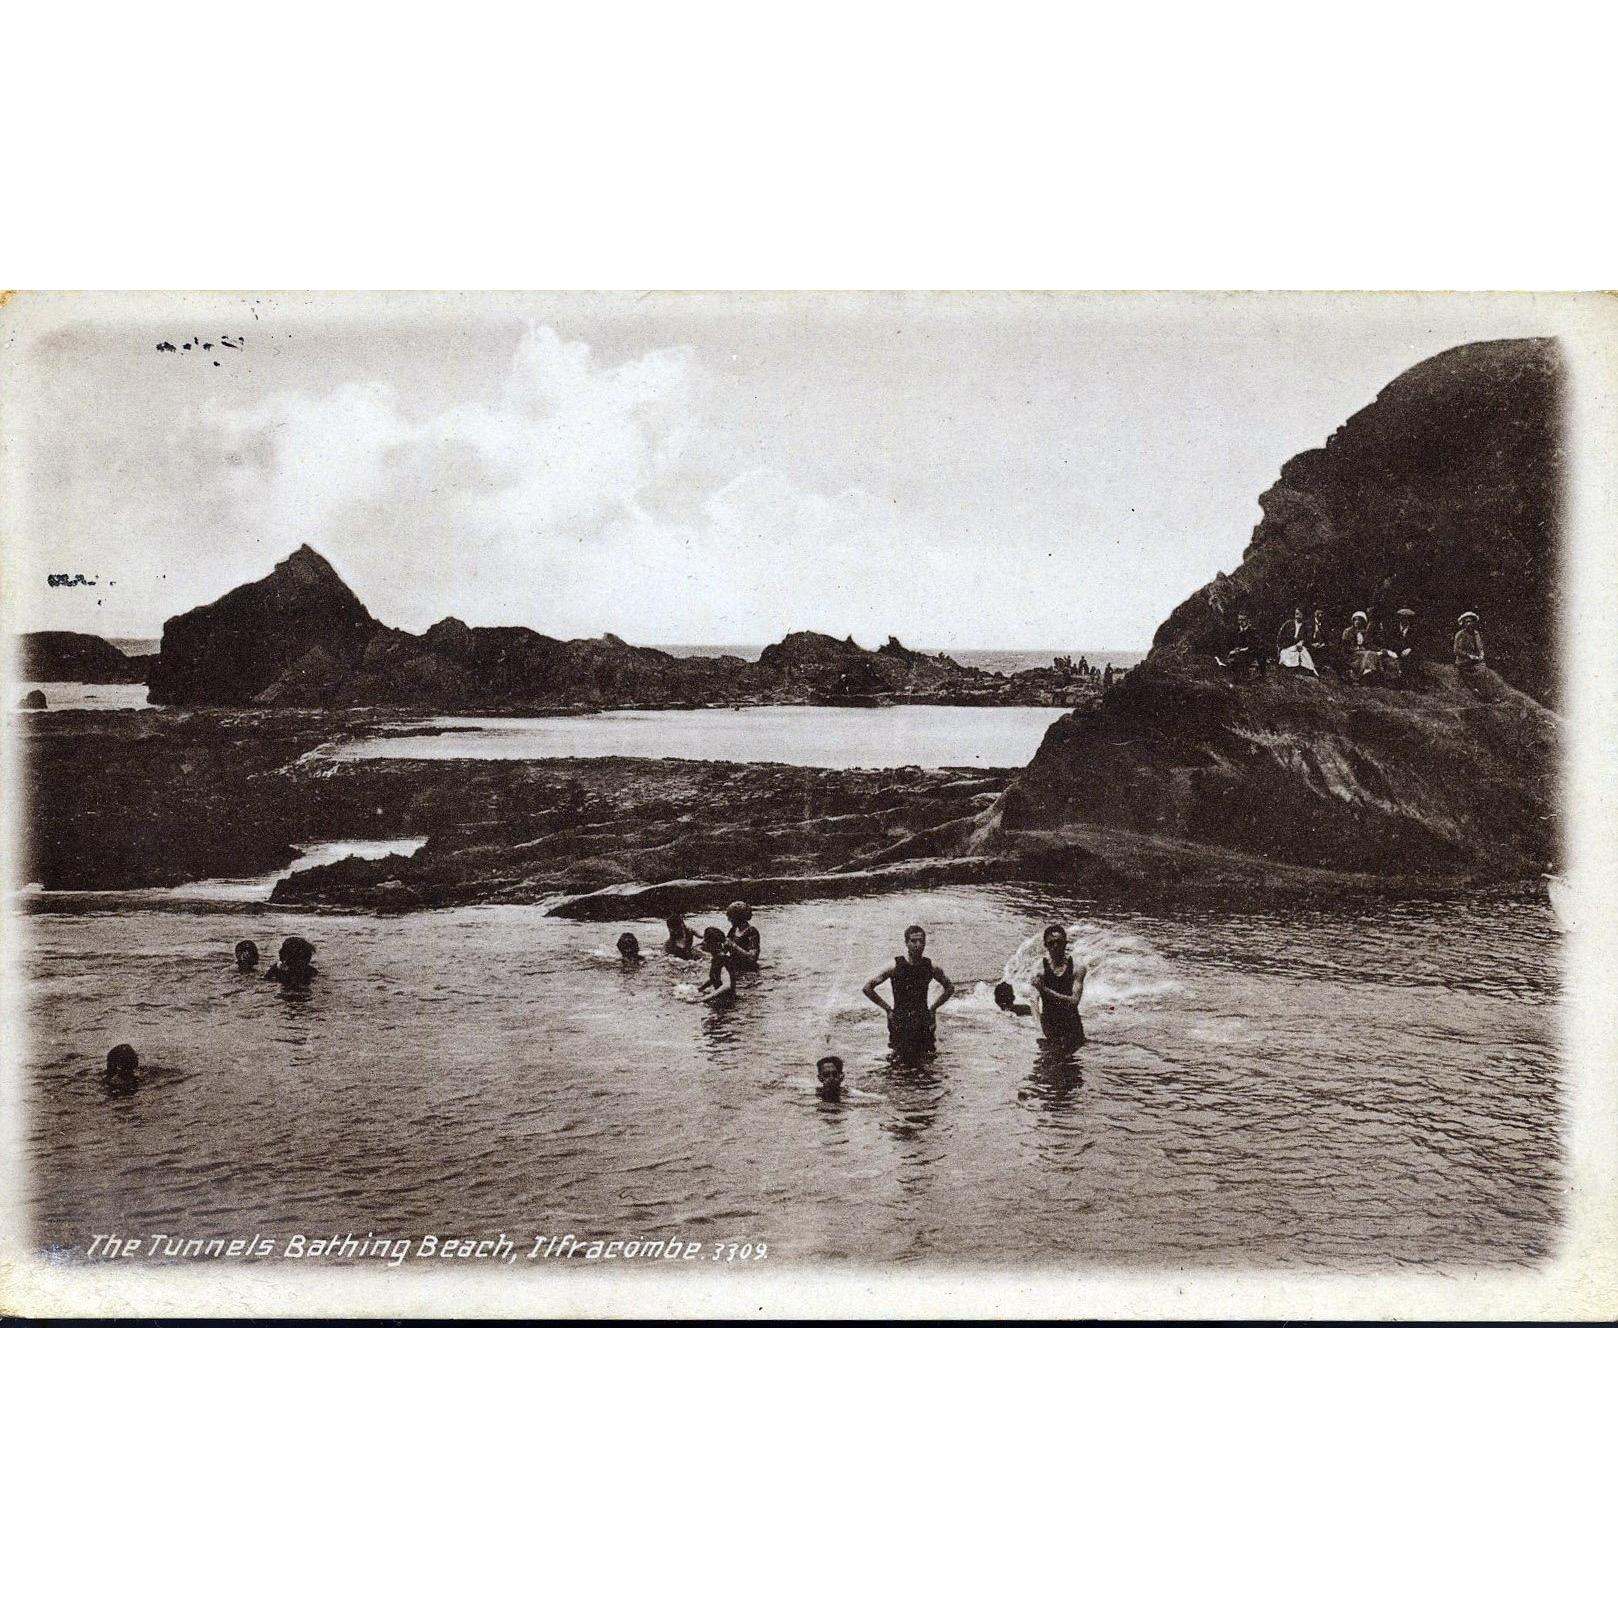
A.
x: 785, y: 805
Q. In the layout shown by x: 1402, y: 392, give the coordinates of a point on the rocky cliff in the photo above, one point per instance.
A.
x: 61, y: 655
x: 1442, y: 495
x: 300, y: 638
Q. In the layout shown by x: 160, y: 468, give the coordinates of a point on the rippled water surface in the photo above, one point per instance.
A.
x: 833, y: 738
x: 1345, y: 1090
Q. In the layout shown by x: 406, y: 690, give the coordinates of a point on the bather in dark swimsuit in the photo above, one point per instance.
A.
x: 911, y: 1026
x: 1060, y: 1022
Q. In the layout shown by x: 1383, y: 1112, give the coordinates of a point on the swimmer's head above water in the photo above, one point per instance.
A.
x: 294, y: 963
x: 829, y: 1077
x: 738, y: 912
x: 1005, y: 996
x: 123, y: 1067
x: 713, y: 940
x: 247, y: 956
x: 628, y: 947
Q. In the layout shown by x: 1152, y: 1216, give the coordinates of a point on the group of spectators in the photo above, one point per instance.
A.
x: 1365, y: 652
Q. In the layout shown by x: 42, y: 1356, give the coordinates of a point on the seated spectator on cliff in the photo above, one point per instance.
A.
x: 1361, y: 660
x: 1469, y: 660
x: 1319, y: 641
x: 1292, y: 644
x: 1243, y: 657
x: 295, y: 964
x: 1402, y: 645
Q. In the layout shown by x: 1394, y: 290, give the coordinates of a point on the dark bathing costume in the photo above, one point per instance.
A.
x: 745, y: 938
x: 911, y: 1028
x: 1058, y: 1021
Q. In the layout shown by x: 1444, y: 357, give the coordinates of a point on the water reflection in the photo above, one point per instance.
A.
x: 1056, y: 1080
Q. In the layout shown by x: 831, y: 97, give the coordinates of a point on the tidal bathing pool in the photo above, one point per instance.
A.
x: 1349, y: 1090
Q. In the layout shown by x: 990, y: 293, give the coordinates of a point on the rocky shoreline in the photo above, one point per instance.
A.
x: 1177, y: 784
x: 125, y: 800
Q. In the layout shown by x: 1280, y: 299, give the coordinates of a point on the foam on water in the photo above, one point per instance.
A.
x: 1120, y: 968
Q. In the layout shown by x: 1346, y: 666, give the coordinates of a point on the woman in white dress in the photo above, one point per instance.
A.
x: 1292, y: 644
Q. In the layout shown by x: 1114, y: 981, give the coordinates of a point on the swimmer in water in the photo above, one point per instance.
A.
x: 1005, y: 997
x: 247, y: 956
x: 1059, y: 983
x: 629, y: 949
x: 295, y: 965
x: 682, y: 941
x: 123, y: 1069
x: 742, y: 942
x: 912, y: 1022
x: 829, y: 1078
x: 719, y: 965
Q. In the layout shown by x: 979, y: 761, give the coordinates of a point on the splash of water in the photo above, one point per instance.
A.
x: 1120, y: 968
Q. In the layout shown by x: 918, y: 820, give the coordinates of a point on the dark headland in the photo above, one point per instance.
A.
x: 1178, y: 784
x: 300, y: 638
x: 56, y: 654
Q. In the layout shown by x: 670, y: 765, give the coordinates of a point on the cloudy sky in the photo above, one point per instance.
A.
x: 959, y: 470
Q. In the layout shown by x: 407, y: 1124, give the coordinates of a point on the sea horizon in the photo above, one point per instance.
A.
x: 994, y: 659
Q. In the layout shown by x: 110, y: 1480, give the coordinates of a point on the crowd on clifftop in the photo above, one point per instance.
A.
x: 1364, y: 652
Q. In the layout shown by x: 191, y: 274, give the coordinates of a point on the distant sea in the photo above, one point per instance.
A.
x: 996, y: 659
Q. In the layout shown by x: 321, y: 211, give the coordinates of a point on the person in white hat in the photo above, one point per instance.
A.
x: 1359, y: 659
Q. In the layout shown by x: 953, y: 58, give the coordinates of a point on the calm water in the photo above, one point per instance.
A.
x: 833, y: 738
x: 1334, y: 1090
x: 76, y: 694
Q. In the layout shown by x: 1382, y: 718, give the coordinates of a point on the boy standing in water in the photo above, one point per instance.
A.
x: 912, y: 1025
x: 719, y: 964
x: 1059, y: 983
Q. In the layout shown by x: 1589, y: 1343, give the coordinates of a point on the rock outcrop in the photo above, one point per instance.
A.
x: 300, y: 638
x: 840, y: 668
x: 1442, y: 495
x: 157, y: 797
x: 296, y: 634
x: 57, y: 654
x: 515, y: 832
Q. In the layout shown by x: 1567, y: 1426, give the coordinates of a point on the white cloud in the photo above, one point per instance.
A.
x: 459, y: 510
x: 566, y: 500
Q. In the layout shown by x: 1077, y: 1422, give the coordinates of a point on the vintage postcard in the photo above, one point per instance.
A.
x: 767, y: 806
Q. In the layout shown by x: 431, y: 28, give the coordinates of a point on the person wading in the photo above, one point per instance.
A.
x: 912, y: 1022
